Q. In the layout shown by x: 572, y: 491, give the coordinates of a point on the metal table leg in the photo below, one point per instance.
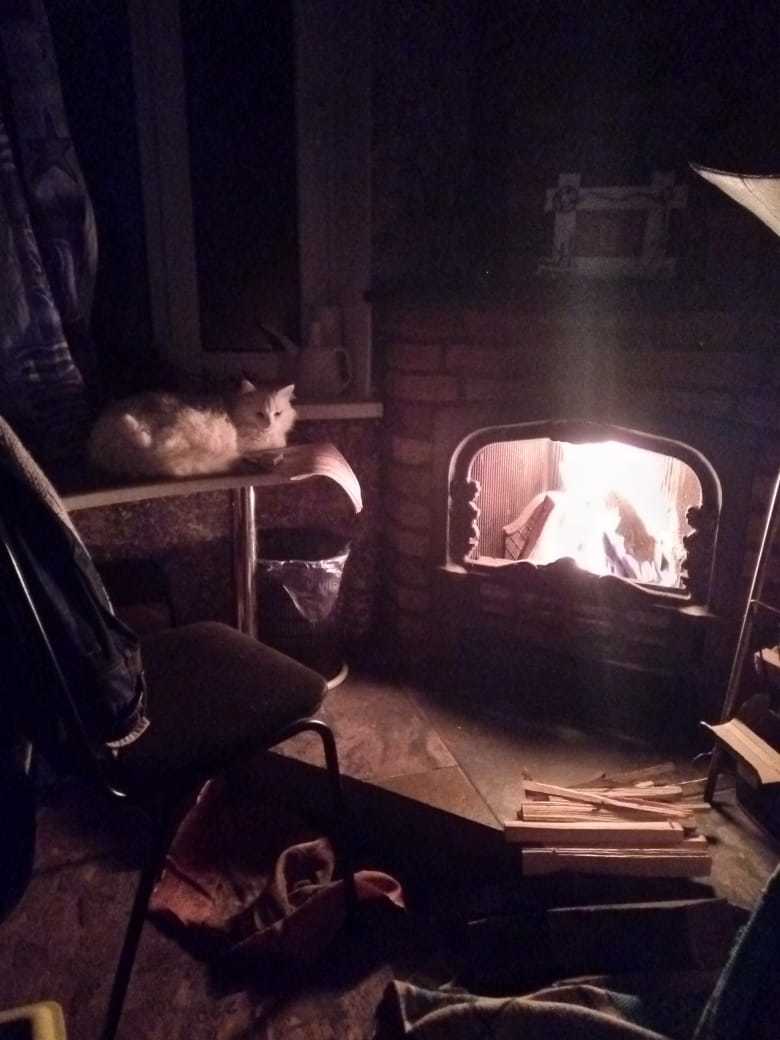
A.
x: 245, y: 559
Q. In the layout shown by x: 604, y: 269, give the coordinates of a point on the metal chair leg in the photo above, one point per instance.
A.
x: 340, y: 811
x: 162, y: 838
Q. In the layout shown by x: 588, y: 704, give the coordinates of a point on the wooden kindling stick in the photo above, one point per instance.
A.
x: 656, y: 811
x: 630, y: 776
x: 573, y: 811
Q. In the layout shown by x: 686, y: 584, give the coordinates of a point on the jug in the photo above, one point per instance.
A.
x: 323, y: 370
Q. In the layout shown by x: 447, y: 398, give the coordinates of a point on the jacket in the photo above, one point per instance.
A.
x: 98, y: 655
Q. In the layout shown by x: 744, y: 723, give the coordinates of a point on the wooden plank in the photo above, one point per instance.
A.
x: 599, y: 799
x: 633, y: 833
x: 692, y: 846
x: 559, y: 812
x: 629, y: 776
x: 631, y: 864
x: 696, y: 845
x: 740, y: 739
x: 694, y: 788
x: 671, y: 809
x: 653, y: 792
x: 545, y: 811
x: 571, y: 812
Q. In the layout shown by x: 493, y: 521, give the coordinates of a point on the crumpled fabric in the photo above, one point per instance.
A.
x: 566, y: 1012
x: 48, y: 246
x: 743, y: 1003
x: 255, y: 882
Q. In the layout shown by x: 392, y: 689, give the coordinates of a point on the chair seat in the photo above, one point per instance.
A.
x: 215, y: 696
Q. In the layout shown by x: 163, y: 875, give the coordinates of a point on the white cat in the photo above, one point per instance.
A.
x: 161, y: 434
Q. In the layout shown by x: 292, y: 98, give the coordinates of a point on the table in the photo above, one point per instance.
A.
x: 298, y: 462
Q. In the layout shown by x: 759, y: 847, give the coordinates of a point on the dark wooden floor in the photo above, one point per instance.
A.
x: 430, y: 775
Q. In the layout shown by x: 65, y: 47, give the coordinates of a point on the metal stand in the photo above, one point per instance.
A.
x: 754, y: 605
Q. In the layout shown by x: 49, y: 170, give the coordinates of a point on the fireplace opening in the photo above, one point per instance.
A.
x: 611, y: 501
x: 612, y: 507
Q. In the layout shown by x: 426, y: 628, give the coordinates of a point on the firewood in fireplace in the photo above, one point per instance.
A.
x: 622, y: 564
x: 522, y: 534
x: 641, y: 558
x: 636, y: 538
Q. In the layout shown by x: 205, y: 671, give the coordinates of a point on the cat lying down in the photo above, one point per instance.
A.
x: 162, y: 434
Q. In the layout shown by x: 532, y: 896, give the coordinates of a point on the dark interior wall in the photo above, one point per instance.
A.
x: 92, y: 42
x: 481, y: 104
x: 425, y: 183
x: 239, y: 67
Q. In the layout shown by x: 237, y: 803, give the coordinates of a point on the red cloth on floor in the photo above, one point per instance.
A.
x: 255, y: 881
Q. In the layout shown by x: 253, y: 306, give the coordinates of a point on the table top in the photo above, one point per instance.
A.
x: 90, y: 489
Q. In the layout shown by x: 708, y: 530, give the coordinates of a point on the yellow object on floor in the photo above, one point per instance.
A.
x: 42, y: 1021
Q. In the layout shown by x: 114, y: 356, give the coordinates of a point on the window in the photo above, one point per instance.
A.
x: 328, y: 43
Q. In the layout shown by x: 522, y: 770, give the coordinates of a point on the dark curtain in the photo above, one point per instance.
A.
x: 48, y: 245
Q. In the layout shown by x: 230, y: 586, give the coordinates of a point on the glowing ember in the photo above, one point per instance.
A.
x: 617, y: 511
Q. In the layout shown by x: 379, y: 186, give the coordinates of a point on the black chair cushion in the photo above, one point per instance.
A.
x: 215, y: 696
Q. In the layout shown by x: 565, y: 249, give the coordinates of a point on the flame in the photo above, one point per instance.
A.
x: 615, y: 513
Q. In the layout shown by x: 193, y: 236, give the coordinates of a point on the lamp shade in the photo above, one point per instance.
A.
x: 759, y: 193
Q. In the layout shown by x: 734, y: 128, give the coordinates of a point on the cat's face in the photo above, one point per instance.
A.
x: 268, y: 411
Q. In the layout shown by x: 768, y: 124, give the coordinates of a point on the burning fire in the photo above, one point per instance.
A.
x: 616, y: 512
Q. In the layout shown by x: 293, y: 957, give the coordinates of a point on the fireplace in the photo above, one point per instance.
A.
x: 610, y: 501
x: 575, y: 503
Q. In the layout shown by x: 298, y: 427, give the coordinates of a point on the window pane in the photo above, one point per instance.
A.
x: 239, y: 68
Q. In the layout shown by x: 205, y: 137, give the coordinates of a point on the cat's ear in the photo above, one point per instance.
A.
x: 247, y: 387
x: 287, y: 391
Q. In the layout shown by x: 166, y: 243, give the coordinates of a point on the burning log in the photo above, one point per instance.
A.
x: 521, y: 536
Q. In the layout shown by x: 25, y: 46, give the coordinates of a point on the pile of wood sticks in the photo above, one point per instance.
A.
x: 637, y: 823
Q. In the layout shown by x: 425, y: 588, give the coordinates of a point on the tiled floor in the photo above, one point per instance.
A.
x: 431, y: 775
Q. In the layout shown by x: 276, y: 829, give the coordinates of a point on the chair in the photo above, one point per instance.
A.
x: 215, y: 698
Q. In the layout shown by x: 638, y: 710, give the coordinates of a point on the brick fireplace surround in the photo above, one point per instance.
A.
x: 705, y: 379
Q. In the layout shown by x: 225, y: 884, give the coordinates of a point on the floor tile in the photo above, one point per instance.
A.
x: 379, y: 731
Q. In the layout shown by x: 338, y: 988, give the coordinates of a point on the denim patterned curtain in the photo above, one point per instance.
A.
x: 48, y: 245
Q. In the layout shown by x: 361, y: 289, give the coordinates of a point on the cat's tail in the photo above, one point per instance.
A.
x: 117, y: 441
